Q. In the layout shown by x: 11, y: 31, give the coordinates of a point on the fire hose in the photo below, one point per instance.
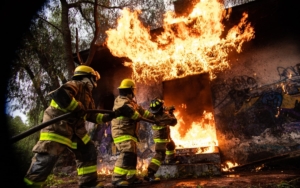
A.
x: 64, y: 116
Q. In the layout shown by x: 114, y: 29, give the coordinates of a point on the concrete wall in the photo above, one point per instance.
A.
x: 255, y: 102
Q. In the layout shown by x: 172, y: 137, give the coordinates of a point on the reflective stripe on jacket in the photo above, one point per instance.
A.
x: 70, y: 108
x: 159, y: 140
x: 63, y: 140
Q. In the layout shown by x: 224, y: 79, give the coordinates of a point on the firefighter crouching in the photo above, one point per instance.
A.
x: 124, y: 128
x: 73, y: 96
x: 164, y: 145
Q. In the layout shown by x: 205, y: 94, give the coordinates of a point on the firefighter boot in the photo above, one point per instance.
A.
x: 92, y: 185
x: 137, y: 181
x: 151, y: 178
x: 121, y: 183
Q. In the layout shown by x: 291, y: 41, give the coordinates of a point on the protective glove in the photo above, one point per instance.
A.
x: 170, y: 109
x: 108, y: 117
x: 80, y: 110
x: 117, y: 113
x: 158, y: 122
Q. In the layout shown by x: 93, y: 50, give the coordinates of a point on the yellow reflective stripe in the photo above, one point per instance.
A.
x: 135, y: 115
x: 131, y: 172
x: 155, y: 161
x: 55, y: 105
x: 146, y: 113
x: 157, y: 102
x: 99, y: 118
x: 58, y: 138
x: 168, y: 152
x: 86, y: 170
x: 122, y: 118
x: 72, y: 105
x: 157, y: 127
x: 124, y: 138
x: 29, y: 182
x: 158, y: 140
x: 120, y: 170
x: 86, y: 139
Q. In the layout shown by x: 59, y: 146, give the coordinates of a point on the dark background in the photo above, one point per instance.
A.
x: 15, y: 20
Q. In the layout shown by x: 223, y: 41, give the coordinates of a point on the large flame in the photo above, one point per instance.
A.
x: 186, y: 46
x: 201, y: 134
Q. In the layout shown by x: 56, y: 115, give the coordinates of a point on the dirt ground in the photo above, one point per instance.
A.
x: 267, y: 179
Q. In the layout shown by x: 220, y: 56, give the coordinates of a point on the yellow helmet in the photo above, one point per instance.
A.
x: 127, y: 83
x: 83, y: 70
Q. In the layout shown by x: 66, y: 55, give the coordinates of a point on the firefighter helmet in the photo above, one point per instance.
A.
x: 83, y: 70
x: 127, y: 84
x: 155, y: 105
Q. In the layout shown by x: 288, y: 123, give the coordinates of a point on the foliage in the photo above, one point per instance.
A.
x: 22, y: 148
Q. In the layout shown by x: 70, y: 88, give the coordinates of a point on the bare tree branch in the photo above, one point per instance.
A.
x: 77, y: 51
x: 94, y: 46
x: 71, y: 5
x: 85, y: 18
x: 49, y: 23
x: 35, y: 85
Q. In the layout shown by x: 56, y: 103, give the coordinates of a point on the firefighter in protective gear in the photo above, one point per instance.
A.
x: 73, y: 96
x: 124, y: 128
x: 164, y: 145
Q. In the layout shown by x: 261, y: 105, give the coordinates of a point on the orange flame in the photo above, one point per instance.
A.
x: 201, y: 134
x: 226, y: 167
x: 142, y: 166
x: 186, y: 46
x: 107, y: 169
x: 104, y: 171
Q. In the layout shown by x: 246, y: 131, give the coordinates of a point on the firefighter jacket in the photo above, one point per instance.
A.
x: 65, y: 99
x: 124, y: 126
x: 161, y: 132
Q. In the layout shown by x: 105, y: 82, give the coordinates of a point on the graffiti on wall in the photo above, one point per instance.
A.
x: 266, y: 117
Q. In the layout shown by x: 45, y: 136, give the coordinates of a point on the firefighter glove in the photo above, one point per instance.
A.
x: 108, y: 117
x: 169, y: 108
x: 158, y: 122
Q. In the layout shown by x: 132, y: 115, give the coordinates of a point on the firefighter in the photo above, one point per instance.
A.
x: 124, y: 132
x: 164, y: 145
x: 74, y: 96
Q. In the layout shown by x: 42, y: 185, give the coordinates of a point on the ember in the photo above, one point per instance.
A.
x: 227, y: 165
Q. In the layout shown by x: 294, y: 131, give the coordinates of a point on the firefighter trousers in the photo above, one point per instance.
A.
x: 47, y: 154
x: 125, y: 166
x: 162, y: 151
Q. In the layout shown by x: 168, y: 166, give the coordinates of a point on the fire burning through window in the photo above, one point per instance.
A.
x: 191, y: 97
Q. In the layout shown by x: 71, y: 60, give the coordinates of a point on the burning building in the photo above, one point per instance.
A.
x: 232, y: 75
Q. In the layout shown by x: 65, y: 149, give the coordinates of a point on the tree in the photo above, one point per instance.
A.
x: 45, y: 60
x: 22, y: 149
